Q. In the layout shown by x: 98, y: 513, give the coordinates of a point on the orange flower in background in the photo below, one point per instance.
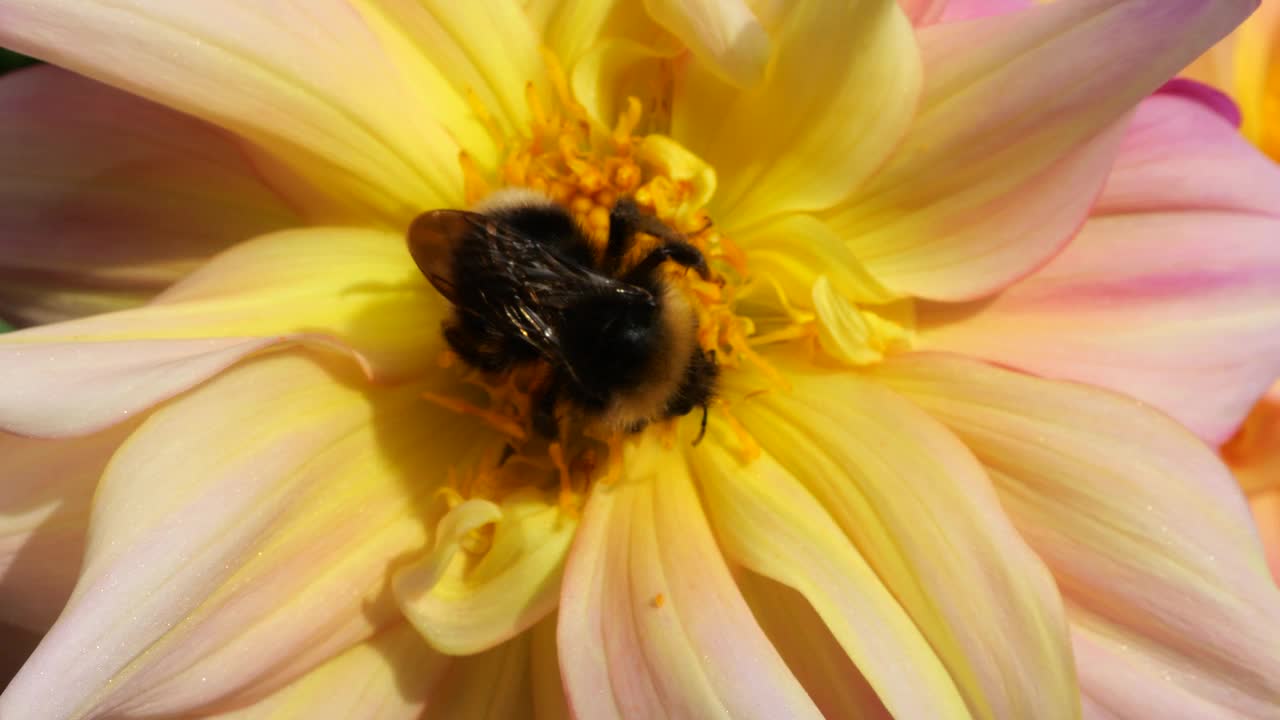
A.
x: 954, y: 262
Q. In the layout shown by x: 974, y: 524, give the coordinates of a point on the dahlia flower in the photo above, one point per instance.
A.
x: 1246, y: 66
x: 956, y: 259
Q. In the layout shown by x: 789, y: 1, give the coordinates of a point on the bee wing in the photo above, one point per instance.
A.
x: 526, y: 286
x: 434, y: 237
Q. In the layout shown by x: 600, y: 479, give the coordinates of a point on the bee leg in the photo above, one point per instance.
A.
x: 702, y: 431
x: 625, y: 220
x: 679, y: 252
x: 544, y: 409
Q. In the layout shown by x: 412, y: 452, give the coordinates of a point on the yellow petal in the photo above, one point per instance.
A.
x: 921, y: 511
x: 242, y: 535
x: 723, y: 34
x: 837, y: 98
x: 464, y: 605
x: 768, y: 522
x: 494, y: 685
x: 314, y: 84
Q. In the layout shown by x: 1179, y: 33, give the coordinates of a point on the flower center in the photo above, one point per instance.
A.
x: 586, y: 171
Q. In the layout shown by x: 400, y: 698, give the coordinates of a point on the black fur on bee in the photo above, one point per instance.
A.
x: 526, y: 287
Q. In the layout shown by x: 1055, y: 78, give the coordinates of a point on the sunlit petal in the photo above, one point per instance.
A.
x: 832, y: 107
x: 651, y: 623
x: 769, y: 523
x: 1014, y: 135
x: 463, y: 607
x: 921, y: 511
x: 315, y: 84
x: 240, y: 536
x: 1167, y: 294
x: 355, y: 290
x: 1144, y: 529
x: 723, y: 34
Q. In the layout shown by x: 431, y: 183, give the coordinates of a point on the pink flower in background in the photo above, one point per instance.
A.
x: 976, y: 282
x: 1246, y: 66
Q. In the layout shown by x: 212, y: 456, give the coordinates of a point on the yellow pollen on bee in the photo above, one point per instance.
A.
x: 587, y: 168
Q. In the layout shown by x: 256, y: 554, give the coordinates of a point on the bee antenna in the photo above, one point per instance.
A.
x: 702, y: 431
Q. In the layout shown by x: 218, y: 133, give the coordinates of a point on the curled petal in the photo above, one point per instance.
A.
x: 1014, y: 137
x: 107, y: 199
x: 242, y: 535
x: 842, y: 87
x: 353, y: 290
x: 319, y: 86
x: 1144, y: 529
x: 921, y: 511
x: 723, y: 34
x: 44, y: 516
x: 651, y: 623
x: 462, y: 606
x: 1167, y: 294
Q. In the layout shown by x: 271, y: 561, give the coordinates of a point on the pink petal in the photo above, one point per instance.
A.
x: 331, y: 93
x: 108, y: 199
x: 1144, y: 529
x: 651, y: 623
x: 919, y: 508
x: 1014, y: 137
x: 353, y: 290
x: 1168, y: 294
x: 925, y: 12
x: 242, y: 535
x: 957, y: 10
x: 44, y: 517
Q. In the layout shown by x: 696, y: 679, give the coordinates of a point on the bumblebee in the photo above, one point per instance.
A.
x: 527, y: 286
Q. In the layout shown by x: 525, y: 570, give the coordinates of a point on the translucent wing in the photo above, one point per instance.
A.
x: 508, y: 280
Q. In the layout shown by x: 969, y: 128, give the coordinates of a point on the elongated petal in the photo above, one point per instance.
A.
x: 242, y: 535
x: 1144, y: 529
x: 107, y: 198
x: 834, y: 104
x: 769, y: 523
x: 391, y: 676
x: 354, y: 290
x: 45, y: 491
x: 313, y: 83
x: 463, y: 607
x: 1014, y: 137
x: 485, y: 49
x: 921, y: 511
x: 651, y: 623
x: 724, y: 35
x: 1169, y: 292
